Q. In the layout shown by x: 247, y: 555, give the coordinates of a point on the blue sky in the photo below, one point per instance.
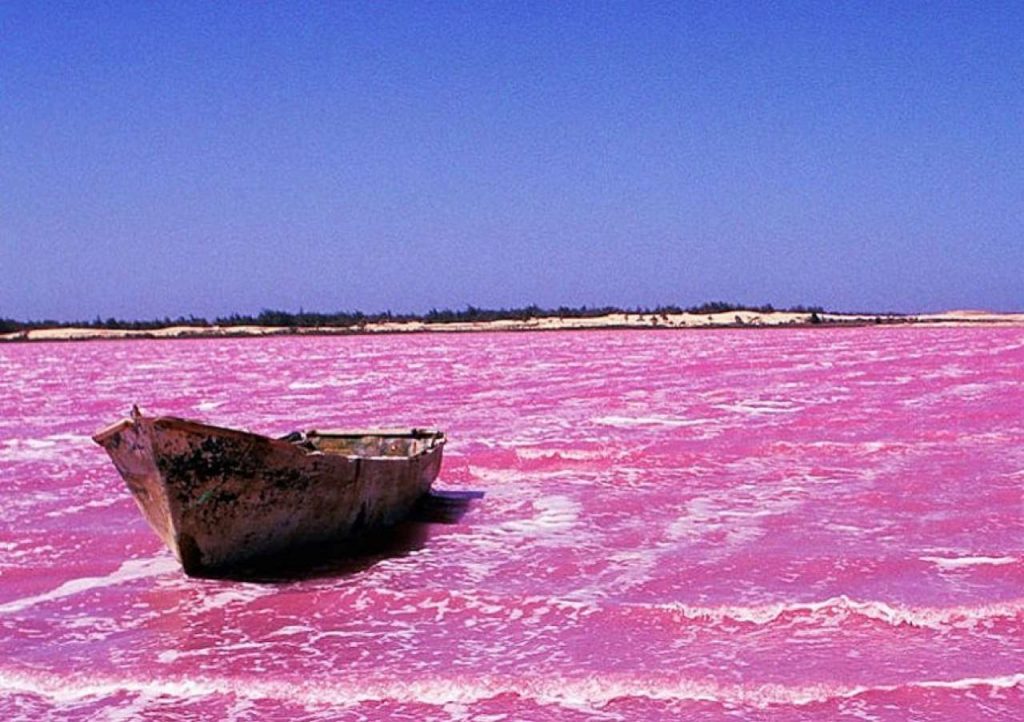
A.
x: 209, y: 158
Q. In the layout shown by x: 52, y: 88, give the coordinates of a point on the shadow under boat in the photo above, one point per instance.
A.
x: 350, y: 556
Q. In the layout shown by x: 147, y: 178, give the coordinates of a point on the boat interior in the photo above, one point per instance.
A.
x: 369, y: 444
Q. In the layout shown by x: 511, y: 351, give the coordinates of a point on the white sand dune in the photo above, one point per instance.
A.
x: 728, y: 319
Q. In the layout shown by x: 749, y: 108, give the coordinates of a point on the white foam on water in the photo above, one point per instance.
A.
x: 325, y: 383
x: 760, y: 407
x: 973, y: 390
x: 128, y: 571
x: 27, y: 450
x: 591, y: 692
x: 554, y: 514
x: 209, y: 405
x: 514, y: 478
x: 38, y: 443
x: 629, y: 421
x: 938, y: 618
x: 237, y: 593
x: 479, y: 604
x: 67, y: 438
x: 94, y: 504
x: 566, y: 454
x: 291, y: 629
x: 738, y: 515
x: 948, y: 563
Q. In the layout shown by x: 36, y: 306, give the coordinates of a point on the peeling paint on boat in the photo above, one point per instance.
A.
x: 219, y: 496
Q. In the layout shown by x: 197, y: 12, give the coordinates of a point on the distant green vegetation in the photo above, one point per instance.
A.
x: 354, y: 319
x: 8, y: 325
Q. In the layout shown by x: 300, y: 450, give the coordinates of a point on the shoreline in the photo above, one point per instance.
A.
x: 616, y: 321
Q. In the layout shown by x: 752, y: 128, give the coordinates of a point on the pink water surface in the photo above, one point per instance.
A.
x: 765, y: 524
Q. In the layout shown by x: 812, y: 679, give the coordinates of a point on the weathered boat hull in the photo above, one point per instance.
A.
x: 218, y: 496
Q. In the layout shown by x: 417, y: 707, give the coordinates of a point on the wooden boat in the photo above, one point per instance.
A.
x: 219, y: 496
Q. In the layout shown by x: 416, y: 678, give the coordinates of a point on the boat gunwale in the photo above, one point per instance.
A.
x: 110, y: 430
x: 435, y: 436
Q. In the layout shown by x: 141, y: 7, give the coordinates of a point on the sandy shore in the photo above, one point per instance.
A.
x: 730, y: 319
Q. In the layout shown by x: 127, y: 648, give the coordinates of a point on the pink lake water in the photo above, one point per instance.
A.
x: 744, y: 525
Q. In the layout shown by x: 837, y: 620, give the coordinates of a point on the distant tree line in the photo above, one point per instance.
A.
x: 354, y: 319
x: 8, y: 325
